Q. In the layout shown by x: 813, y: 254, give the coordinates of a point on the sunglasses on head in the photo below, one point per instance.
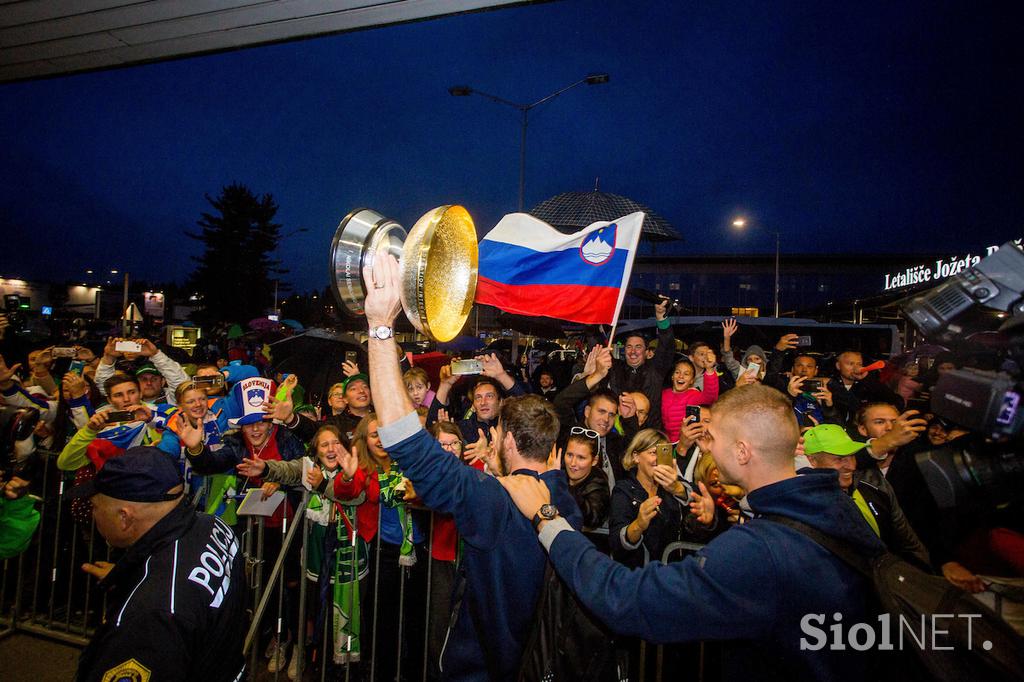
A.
x: 580, y: 431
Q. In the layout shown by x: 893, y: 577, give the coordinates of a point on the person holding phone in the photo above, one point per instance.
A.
x: 682, y: 393
x: 652, y: 506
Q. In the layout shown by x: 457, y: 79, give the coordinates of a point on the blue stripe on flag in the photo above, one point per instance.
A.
x: 512, y: 264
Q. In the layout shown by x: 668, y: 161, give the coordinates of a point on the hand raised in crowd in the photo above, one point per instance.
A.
x: 823, y: 395
x: 269, y: 489
x: 668, y: 478
x: 74, y: 386
x: 251, y: 467
x: 787, y: 342
x: 191, y: 435
x: 383, y: 290
x: 110, y: 352
x: 702, y: 505
x: 143, y: 413
x: 98, y: 569
x: 348, y: 461
x: 97, y: 422
x: 729, y: 327
x: 4, y: 324
x: 442, y: 415
x: 795, y: 384
x: 627, y: 406
x: 282, y: 410
x: 647, y: 511
x: 689, y: 434
x: 959, y: 575
x: 7, y: 373
x: 314, y: 477
x: 590, y: 365
x: 661, y: 309
x: 84, y: 354
x: 16, y: 487
x: 41, y: 362
x: 491, y: 366
x: 746, y: 379
x: 905, y: 429
x: 482, y: 451
x: 555, y: 459
x: 149, y: 348
x: 349, y: 368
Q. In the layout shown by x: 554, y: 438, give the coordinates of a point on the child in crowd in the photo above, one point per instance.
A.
x: 417, y: 383
x: 682, y: 393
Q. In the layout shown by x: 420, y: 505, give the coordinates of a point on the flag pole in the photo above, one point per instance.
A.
x: 627, y: 273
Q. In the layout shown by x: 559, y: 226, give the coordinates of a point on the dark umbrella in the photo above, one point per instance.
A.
x: 316, y: 357
x: 572, y: 211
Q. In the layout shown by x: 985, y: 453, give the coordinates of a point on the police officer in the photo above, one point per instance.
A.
x: 175, y: 598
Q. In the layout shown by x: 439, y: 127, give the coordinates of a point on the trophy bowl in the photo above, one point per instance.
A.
x: 438, y: 261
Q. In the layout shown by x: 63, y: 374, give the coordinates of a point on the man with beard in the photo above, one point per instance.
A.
x: 504, y: 565
x: 637, y: 373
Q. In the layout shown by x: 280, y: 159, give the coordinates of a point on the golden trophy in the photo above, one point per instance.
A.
x: 437, y: 258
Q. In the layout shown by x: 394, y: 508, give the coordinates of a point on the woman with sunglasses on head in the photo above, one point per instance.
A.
x: 652, y: 507
x: 588, y: 484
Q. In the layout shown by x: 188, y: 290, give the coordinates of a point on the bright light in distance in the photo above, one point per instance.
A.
x: 739, y: 222
x: 88, y: 272
x: 113, y: 272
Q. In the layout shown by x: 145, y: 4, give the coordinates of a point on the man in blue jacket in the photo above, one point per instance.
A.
x: 754, y: 585
x: 503, y: 565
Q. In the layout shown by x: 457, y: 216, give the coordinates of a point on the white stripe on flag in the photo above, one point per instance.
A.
x: 522, y: 229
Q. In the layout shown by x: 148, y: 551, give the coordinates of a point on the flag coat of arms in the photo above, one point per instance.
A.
x: 528, y: 267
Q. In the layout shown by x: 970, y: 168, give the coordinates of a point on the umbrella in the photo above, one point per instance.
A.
x: 262, y: 324
x: 315, y: 356
x: 294, y: 324
x: 235, y: 332
x: 571, y: 211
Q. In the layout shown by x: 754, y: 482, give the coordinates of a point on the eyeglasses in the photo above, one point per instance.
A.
x: 454, y: 445
x: 580, y: 431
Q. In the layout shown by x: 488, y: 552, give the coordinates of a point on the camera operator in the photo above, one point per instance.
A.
x: 159, y: 376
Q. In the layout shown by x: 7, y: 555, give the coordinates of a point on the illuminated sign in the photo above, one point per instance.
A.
x: 934, y: 272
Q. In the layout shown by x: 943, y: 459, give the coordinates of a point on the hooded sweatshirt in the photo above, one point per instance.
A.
x: 738, y: 368
x: 750, y: 587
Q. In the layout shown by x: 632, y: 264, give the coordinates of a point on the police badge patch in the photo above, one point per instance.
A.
x: 129, y: 671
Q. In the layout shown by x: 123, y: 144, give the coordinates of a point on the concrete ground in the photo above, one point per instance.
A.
x: 27, y: 658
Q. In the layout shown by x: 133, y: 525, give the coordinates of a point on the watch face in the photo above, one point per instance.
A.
x: 548, y: 511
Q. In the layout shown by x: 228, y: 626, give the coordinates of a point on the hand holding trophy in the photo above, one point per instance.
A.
x: 437, y: 259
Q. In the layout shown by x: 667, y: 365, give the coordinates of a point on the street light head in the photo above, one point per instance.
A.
x: 739, y: 223
x: 88, y: 272
x: 460, y: 91
x: 113, y: 272
x: 596, y: 78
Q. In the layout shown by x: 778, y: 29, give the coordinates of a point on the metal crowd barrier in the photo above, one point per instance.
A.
x: 44, y: 592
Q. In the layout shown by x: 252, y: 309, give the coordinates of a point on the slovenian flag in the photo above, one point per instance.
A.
x: 528, y: 267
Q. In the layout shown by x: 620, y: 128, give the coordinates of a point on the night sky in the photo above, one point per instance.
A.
x: 851, y: 127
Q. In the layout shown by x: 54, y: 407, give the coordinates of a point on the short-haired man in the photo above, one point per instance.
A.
x: 852, y: 386
x: 358, y: 404
x: 636, y: 373
x: 828, y: 446
x: 812, y: 399
x: 143, y: 428
x: 754, y: 586
x: 175, y: 606
x: 504, y: 566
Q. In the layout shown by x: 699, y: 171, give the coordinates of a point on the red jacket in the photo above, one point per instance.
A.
x: 367, y: 513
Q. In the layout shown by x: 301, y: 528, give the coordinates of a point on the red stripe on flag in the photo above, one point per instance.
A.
x: 583, y: 304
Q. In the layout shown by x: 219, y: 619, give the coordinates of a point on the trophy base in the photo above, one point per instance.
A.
x: 358, y: 239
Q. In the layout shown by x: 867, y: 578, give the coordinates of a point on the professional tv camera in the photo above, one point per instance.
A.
x: 985, y: 465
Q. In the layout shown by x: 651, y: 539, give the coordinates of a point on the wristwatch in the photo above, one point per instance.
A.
x: 381, y: 332
x: 546, y: 513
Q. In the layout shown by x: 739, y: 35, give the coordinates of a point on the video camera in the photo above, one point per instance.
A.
x: 16, y: 423
x: 985, y: 464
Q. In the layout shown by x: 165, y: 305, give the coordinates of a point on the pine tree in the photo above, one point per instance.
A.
x: 235, y: 273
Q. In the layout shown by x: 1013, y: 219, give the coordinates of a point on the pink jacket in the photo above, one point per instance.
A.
x: 673, y: 405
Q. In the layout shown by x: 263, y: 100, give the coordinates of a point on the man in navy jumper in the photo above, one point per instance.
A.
x: 503, y: 564
x: 753, y: 585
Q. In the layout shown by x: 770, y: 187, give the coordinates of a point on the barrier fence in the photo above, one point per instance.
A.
x: 44, y: 591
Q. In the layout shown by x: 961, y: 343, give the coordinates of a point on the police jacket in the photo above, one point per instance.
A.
x: 175, y: 606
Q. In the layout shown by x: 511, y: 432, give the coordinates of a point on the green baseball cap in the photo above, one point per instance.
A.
x: 352, y: 379
x: 831, y: 439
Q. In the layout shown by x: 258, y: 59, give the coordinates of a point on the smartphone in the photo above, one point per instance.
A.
x: 209, y: 380
x: 692, y: 413
x: 64, y: 352
x: 121, y: 416
x: 466, y: 367
x: 128, y: 347
x: 803, y: 341
x: 752, y: 369
x: 811, y: 386
x: 76, y: 367
x: 351, y: 356
x: 665, y: 456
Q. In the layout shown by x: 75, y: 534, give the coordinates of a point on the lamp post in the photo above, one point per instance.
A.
x: 524, y: 110
x: 739, y: 224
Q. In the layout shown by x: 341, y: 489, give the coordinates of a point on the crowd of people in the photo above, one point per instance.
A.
x: 417, y: 552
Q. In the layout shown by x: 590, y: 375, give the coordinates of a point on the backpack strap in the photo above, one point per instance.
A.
x: 840, y: 548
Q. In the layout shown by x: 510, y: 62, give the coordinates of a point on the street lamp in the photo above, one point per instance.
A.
x: 524, y: 109
x: 740, y: 223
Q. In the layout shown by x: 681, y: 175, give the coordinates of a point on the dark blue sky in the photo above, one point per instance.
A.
x: 851, y: 127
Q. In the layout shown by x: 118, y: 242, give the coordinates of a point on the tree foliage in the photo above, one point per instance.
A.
x: 235, y: 274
